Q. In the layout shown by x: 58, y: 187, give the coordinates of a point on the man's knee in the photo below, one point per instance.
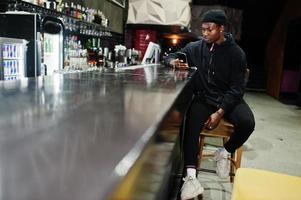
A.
x: 247, y: 125
x: 251, y: 125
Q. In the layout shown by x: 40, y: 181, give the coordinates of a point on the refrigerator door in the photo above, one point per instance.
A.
x: 53, y: 33
x: 12, y: 58
x: 24, y: 26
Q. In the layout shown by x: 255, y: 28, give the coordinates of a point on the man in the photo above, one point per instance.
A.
x: 218, y: 86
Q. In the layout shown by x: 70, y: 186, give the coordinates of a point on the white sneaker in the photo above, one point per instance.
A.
x: 191, y: 188
x: 222, y: 163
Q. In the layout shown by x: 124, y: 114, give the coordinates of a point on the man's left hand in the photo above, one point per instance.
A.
x: 214, y: 119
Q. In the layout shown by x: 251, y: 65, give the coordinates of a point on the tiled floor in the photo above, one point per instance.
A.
x: 275, y: 144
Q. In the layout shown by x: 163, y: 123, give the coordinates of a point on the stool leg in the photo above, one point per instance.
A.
x: 238, y: 157
x: 225, y: 139
x: 202, y: 142
x: 232, y: 166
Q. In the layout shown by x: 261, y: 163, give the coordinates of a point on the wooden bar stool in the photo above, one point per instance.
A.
x: 224, y: 130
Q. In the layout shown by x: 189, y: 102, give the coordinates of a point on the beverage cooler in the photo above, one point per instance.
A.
x: 44, y: 53
x: 12, y: 58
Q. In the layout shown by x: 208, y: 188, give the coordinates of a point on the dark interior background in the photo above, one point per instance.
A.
x: 259, y: 19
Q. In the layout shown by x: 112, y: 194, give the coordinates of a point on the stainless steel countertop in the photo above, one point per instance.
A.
x: 75, y: 136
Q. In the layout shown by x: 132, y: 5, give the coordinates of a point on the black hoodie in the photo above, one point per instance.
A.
x: 220, y: 76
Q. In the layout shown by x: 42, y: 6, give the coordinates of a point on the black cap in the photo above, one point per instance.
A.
x: 216, y: 16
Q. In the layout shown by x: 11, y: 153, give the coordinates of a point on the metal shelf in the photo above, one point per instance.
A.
x: 72, y: 25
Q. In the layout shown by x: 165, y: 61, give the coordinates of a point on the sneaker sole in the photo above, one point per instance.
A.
x: 196, y: 193
x: 223, y: 177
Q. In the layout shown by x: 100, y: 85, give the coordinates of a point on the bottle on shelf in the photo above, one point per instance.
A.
x: 78, y: 11
x: 66, y: 9
x: 100, y: 58
x: 84, y: 14
x: 72, y: 9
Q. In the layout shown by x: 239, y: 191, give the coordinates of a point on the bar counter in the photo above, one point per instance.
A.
x: 76, y: 136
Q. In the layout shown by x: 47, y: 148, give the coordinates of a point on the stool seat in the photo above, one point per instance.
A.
x: 223, y: 129
x: 255, y: 184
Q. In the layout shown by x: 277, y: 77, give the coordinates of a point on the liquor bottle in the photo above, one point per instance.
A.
x: 100, y: 58
x: 72, y: 9
x: 79, y: 11
x: 84, y: 14
x: 66, y: 9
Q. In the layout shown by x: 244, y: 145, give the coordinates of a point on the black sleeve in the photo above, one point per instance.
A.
x: 237, y: 83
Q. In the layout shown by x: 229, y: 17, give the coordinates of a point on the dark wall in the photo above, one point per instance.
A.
x: 259, y: 20
x: 276, y: 46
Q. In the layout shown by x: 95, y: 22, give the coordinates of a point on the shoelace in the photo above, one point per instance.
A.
x: 220, y: 156
x: 186, y: 180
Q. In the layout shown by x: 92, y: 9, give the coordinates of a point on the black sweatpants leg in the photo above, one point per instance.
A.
x: 197, y: 115
x: 243, y: 120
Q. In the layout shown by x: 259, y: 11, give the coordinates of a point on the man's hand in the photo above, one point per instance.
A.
x: 214, y: 119
x: 179, y: 64
x: 180, y: 74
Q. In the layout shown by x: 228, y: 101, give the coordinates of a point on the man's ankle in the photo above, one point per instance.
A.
x: 191, y: 171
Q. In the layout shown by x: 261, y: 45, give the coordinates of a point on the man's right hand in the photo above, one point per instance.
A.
x: 179, y: 64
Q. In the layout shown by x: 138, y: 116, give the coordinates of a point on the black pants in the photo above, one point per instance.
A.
x: 240, y: 116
